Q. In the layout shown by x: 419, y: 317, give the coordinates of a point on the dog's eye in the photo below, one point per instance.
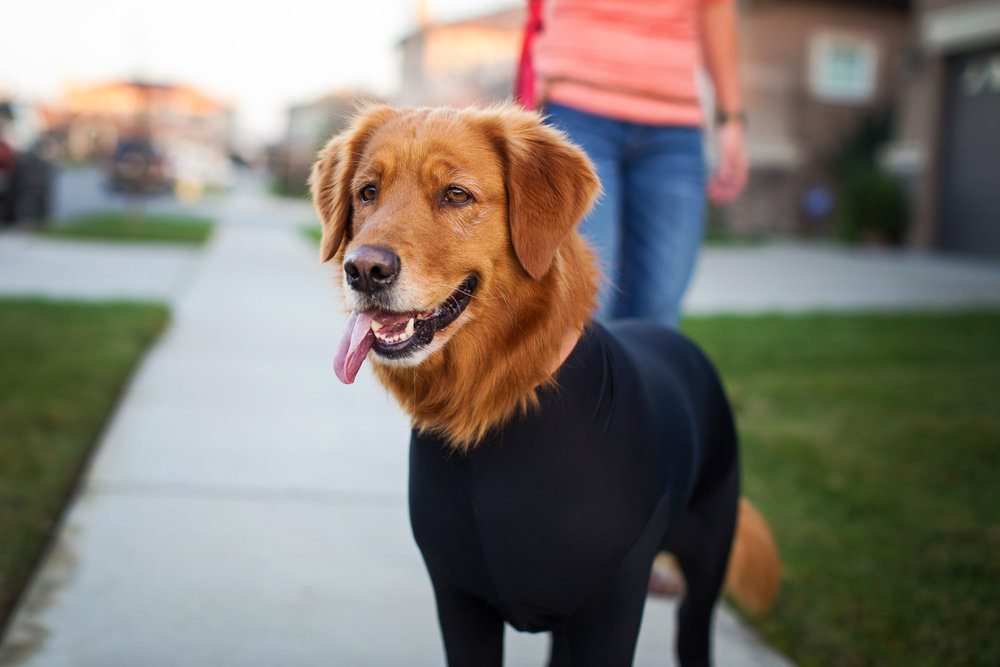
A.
x: 368, y: 193
x: 456, y: 195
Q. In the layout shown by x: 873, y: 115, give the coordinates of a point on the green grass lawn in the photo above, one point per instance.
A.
x: 872, y: 444
x: 62, y: 367
x: 145, y: 228
x: 720, y: 236
x: 313, y: 232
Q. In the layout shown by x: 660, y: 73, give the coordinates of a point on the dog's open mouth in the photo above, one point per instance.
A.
x: 396, y: 335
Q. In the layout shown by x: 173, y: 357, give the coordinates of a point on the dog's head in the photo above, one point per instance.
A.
x: 435, y: 215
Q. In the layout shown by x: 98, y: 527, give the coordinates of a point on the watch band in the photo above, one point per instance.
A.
x: 722, y: 117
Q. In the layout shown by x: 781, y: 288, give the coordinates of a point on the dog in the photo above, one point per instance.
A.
x: 551, y: 457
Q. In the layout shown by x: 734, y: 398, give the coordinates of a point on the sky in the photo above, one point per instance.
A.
x: 260, y: 56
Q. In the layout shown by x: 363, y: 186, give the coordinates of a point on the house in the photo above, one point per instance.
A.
x: 309, y: 125
x: 813, y: 71
x: 457, y: 63
x: 96, y: 115
x: 191, y: 127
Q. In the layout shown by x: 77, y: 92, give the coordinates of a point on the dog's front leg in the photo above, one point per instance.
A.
x: 472, y: 630
x: 604, y: 631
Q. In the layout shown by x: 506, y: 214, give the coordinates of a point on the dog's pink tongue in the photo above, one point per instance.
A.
x: 354, y: 346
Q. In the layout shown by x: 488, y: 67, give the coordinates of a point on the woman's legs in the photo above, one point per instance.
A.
x: 663, y: 190
x: 647, y: 227
x: 602, y: 139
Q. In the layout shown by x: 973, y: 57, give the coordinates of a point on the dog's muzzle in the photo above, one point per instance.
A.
x: 394, y: 335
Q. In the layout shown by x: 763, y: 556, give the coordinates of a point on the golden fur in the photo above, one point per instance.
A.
x: 521, y: 171
x: 754, y: 574
x: 538, y: 278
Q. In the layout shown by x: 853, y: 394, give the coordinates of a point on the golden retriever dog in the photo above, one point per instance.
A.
x: 551, y: 457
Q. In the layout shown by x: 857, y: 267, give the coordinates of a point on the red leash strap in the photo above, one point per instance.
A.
x: 524, y: 88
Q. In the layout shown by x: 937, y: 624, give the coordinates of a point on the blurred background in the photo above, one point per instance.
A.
x: 182, y: 479
x: 874, y: 121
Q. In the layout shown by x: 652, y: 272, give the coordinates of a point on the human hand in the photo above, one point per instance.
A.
x: 730, y: 178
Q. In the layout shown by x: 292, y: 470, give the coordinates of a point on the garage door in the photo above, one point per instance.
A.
x: 970, y: 177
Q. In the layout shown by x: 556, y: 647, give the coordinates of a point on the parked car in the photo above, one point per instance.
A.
x: 26, y: 175
x: 138, y: 166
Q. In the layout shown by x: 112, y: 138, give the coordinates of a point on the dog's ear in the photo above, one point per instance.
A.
x: 330, y: 178
x: 551, y: 185
x: 328, y: 184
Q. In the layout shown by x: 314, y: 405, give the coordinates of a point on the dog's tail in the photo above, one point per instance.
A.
x: 754, y: 573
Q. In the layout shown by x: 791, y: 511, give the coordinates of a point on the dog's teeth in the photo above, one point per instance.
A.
x: 392, y: 338
x: 397, y: 337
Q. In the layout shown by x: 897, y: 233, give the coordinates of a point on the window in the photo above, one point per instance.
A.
x: 842, y: 68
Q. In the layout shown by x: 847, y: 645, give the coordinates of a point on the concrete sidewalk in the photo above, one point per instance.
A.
x: 245, y: 508
x: 55, y: 268
x: 788, y: 276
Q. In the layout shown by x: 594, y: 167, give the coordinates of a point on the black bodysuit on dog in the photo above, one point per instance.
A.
x: 552, y: 521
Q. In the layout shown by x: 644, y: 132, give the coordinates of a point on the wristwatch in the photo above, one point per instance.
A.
x: 722, y: 117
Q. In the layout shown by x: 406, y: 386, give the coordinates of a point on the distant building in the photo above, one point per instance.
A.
x: 309, y: 126
x: 812, y: 71
x: 457, y: 63
x: 95, y: 117
x: 191, y: 128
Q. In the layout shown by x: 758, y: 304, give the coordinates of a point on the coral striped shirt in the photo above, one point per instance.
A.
x: 634, y: 60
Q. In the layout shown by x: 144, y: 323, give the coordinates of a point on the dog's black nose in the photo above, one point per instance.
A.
x: 371, y: 268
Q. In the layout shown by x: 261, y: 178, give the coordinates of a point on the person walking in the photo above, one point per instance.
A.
x: 621, y: 79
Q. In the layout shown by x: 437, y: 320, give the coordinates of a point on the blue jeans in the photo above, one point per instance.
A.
x: 648, y: 225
